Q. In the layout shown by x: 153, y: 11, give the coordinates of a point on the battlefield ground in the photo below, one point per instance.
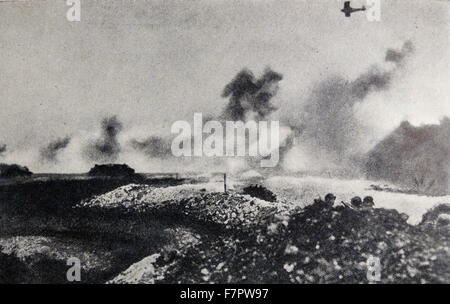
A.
x: 187, y: 229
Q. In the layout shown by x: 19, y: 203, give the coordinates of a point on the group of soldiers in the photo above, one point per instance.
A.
x: 355, y: 203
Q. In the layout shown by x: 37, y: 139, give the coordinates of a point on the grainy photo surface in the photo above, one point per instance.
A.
x: 224, y: 141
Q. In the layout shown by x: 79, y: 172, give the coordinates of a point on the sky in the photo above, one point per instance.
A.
x: 155, y: 62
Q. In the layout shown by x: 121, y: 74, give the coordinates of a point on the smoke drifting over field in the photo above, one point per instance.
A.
x: 329, y: 125
x: 107, y: 147
x: 153, y: 147
x: 51, y: 151
x: 415, y: 157
x: 327, y: 134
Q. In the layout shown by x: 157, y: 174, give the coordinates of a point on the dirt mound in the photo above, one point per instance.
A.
x: 227, y: 210
x: 143, y: 270
x: 319, y: 246
x: 260, y: 192
x: 264, y: 242
x: 437, y: 219
x: 312, y: 245
x: 13, y: 170
x: 37, y: 259
x: 112, y: 170
x: 146, y: 270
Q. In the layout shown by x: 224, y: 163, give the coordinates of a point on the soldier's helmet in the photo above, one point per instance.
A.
x: 368, y: 201
x: 330, y: 197
x: 356, y: 202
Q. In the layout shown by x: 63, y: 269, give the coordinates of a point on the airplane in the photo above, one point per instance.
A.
x: 348, y: 10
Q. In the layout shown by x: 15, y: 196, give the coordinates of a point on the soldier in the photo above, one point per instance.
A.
x: 368, y: 202
x: 356, y: 202
x: 326, y: 203
x: 330, y: 199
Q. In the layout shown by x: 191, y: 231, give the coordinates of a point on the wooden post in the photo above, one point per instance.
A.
x: 225, y: 182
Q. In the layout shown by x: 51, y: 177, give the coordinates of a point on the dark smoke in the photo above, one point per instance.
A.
x: 107, y: 147
x: 329, y: 122
x: 153, y: 147
x: 248, y: 94
x: 3, y: 149
x: 50, y: 152
x: 415, y: 157
x: 396, y: 56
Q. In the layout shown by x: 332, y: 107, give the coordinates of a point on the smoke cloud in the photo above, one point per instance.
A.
x: 396, y: 56
x: 153, y: 147
x: 107, y: 147
x: 3, y: 149
x: 329, y: 124
x: 51, y: 151
x: 415, y: 157
x: 327, y: 127
x: 249, y: 95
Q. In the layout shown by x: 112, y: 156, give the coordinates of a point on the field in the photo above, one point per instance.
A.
x: 174, y: 230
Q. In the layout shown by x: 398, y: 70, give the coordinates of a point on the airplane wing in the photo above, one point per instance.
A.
x: 347, y: 4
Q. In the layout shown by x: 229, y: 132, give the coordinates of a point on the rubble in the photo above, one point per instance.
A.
x: 143, y: 270
x: 228, y: 210
x: 38, y: 259
x: 272, y: 242
x: 437, y: 219
x: 321, y: 246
